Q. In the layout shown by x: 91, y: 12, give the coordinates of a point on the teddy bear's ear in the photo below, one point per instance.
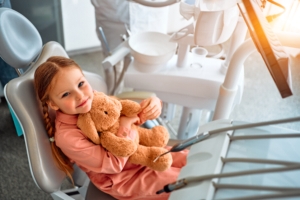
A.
x: 87, y: 125
x: 115, y: 101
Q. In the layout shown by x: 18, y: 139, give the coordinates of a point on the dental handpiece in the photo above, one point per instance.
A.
x: 173, y: 186
x: 186, y: 143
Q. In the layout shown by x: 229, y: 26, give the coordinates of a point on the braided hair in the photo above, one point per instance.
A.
x: 43, y: 81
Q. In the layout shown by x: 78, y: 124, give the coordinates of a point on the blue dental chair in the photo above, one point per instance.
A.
x: 21, y: 47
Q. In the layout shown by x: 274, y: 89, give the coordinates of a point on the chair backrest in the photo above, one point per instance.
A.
x: 21, y: 96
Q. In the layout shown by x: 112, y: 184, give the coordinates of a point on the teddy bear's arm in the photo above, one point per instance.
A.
x: 87, y: 125
x: 130, y: 108
x: 118, y: 146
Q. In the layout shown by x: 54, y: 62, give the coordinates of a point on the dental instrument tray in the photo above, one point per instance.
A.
x: 239, y: 160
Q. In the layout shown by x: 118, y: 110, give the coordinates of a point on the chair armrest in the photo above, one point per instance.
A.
x: 59, y: 195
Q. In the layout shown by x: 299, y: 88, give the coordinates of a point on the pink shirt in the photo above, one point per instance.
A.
x: 111, y: 174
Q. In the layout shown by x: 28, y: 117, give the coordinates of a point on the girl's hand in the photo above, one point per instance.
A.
x: 125, y: 127
x: 128, y: 121
x: 150, y: 109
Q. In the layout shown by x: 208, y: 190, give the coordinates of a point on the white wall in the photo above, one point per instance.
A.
x: 79, y: 25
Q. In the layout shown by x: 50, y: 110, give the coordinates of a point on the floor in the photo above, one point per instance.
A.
x: 261, y: 101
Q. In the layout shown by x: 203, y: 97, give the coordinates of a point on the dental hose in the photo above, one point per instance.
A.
x: 202, y: 136
x: 183, y: 182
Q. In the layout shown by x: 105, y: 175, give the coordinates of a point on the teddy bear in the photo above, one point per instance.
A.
x: 101, y: 125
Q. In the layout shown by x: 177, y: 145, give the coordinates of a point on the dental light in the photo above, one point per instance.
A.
x: 268, y: 45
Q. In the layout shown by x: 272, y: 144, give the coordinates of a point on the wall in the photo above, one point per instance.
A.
x: 79, y: 25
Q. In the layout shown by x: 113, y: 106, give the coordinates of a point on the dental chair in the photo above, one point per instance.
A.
x: 21, y: 47
x: 1, y: 91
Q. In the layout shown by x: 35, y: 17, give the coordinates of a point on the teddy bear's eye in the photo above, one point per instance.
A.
x: 105, y: 112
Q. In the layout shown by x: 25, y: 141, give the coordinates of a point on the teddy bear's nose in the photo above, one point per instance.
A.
x: 106, y: 112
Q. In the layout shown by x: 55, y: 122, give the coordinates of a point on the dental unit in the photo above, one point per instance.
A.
x: 225, y: 155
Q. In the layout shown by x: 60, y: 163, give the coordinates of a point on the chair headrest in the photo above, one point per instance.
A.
x: 20, y: 41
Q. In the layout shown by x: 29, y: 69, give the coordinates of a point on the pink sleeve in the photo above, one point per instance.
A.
x: 126, y: 133
x: 87, y: 154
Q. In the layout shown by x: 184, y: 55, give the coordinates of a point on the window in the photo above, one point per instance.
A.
x: 288, y: 21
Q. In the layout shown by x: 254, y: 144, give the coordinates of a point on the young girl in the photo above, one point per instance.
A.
x: 61, y: 85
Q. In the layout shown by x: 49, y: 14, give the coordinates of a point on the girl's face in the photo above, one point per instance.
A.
x: 70, y: 92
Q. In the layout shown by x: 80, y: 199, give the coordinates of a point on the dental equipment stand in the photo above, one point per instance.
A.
x: 194, y: 88
x: 177, y: 82
x: 179, y: 86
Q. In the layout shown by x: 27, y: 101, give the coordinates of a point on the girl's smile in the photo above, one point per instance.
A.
x: 83, y: 103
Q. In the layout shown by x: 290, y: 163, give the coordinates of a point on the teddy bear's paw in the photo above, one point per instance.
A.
x: 158, y: 136
x: 163, y: 162
x: 120, y: 147
x: 146, y: 155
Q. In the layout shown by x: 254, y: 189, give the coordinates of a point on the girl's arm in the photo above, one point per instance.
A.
x: 125, y: 130
x: 88, y: 155
x: 94, y: 157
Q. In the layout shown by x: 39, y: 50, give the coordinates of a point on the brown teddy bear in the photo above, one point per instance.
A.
x: 101, y: 125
